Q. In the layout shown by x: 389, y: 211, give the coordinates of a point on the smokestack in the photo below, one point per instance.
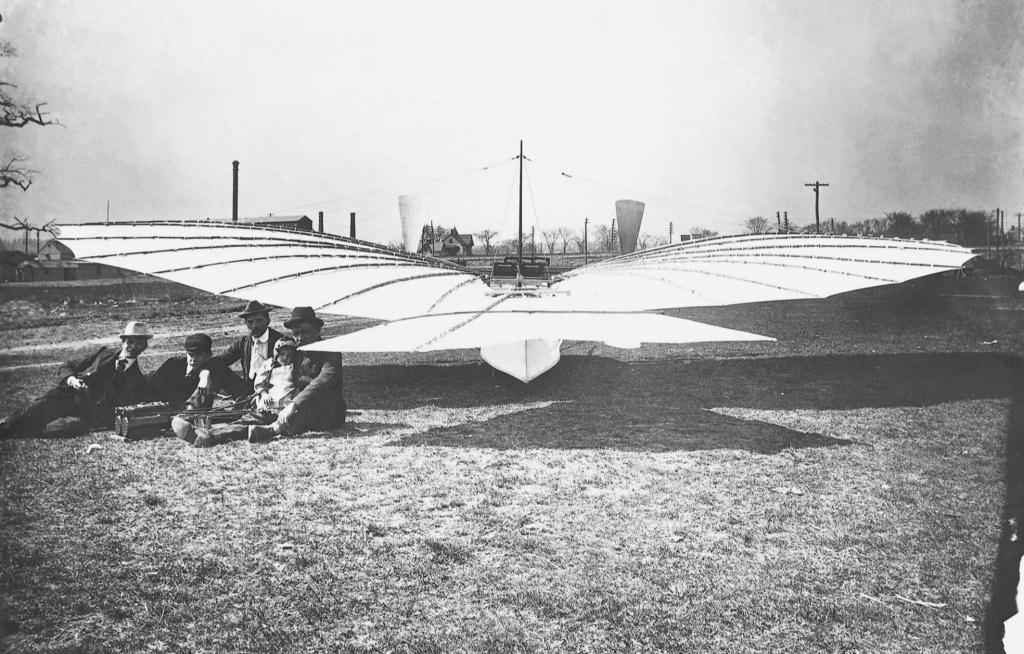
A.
x: 352, y: 225
x: 234, y: 191
x: 629, y: 214
x: 413, y: 212
x: 321, y: 214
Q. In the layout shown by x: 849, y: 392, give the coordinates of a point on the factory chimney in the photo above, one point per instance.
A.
x: 234, y: 191
x: 321, y: 214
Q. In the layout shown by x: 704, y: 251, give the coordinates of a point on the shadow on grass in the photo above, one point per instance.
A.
x: 662, y: 405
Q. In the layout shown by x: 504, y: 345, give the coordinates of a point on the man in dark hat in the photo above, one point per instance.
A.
x: 251, y: 350
x: 189, y: 381
x: 87, y: 391
x: 319, y: 404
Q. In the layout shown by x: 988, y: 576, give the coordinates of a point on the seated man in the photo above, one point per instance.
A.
x: 87, y: 391
x: 317, y: 400
x: 251, y: 350
x: 190, y: 381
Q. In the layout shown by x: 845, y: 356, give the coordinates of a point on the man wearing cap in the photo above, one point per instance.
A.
x: 253, y: 349
x: 87, y: 391
x: 189, y: 381
x: 319, y: 403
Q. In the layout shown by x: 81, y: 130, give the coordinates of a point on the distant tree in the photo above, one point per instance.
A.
x: 604, y: 239
x: 645, y: 241
x: 900, y: 224
x: 550, y: 238
x: 508, y: 246
x: 972, y: 227
x: 939, y: 224
x: 486, y: 237
x: 565, y: 235
x: 756, y: 225
x: 16, y: 113
x: 702, y: 232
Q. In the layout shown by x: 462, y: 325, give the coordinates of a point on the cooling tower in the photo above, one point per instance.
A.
x: 413, y: 211
x: 629, y: 213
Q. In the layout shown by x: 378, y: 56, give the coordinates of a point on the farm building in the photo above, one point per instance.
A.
x: 438, y: 242
x: 457, y: 245
x: 55, y: 263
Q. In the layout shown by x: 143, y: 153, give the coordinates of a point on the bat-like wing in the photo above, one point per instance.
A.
x: 281, y: 267
x: 432, y: 304
x: 755, y: 268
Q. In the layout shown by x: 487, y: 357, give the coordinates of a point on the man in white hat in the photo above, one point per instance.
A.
x: 87, y: 391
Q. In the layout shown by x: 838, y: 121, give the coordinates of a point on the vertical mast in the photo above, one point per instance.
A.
x: 520, y: 206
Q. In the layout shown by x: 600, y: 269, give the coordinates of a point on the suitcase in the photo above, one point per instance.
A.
x: 144, y: 420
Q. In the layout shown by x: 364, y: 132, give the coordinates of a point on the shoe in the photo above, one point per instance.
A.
x: 261, y: 433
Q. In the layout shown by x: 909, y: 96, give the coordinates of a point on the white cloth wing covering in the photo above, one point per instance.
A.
x: 286, y: 268
x: 433, y: 304
x: 757, y: 268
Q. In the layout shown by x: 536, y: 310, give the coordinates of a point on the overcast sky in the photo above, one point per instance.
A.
x: 711, y: 112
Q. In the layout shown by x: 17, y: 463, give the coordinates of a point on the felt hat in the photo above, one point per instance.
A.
x: 198, y: 343
x: 303, y: 314
x: 252, y: 308
x: 136, y: 328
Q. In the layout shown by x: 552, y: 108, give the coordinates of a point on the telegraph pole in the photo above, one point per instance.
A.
x: 586, y: 248
x: 817, y: 219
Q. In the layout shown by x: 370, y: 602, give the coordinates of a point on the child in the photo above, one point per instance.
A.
x: 275, y: 381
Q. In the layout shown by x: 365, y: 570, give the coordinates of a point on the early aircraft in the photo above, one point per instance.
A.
x: 432, y: 304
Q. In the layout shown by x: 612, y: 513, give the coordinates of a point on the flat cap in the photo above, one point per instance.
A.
x: 198, y: 343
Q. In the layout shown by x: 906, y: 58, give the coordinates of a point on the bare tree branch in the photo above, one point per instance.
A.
x: 13, y: 173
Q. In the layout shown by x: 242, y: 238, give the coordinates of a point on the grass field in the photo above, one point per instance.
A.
x: 836, y: 491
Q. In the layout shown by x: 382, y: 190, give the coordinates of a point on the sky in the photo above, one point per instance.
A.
x: 710, y: 112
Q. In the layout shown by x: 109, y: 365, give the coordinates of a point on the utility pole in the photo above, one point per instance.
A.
x: 817, y: 219
x: 234, y: 191
x: 996, y: 237
x: 586, y: 248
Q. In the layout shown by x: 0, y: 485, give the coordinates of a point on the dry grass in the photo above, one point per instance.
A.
x: 646, y: 503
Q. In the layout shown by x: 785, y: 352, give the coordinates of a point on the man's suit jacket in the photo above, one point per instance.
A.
x: 321, y: 402
x: 241, y: 350
x: 170, y: 384
x: 106, y: 387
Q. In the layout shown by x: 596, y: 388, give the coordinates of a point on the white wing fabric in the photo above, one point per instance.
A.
x: 756, y: 268
x: 433, y: 304
x: 277, y: 266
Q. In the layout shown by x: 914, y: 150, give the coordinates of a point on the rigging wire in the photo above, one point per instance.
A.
x: 391, y: 188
